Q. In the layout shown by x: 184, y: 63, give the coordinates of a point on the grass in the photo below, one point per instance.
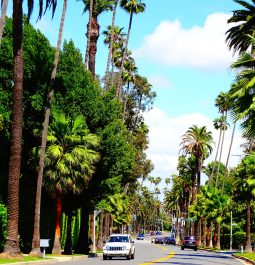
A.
x: 22, y: 259
x: 250, y: 256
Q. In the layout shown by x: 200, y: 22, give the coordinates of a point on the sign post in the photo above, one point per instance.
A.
x: 44, y: 243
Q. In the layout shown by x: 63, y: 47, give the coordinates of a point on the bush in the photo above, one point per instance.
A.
x: 239, y: 239
x: 3, y: 225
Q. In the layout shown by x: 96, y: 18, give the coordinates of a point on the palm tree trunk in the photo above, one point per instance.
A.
x: 221, y: 149
x: 229, y: 152
x: 216, y: 156
x: 2, y: 18
x: 110, y: 52
x: 119, y: 81
x: 218, y: 236
x: 199, y: 168
x: 101, y: 227
x: 248, y: 227
x: 57, y: 246
x: 11, y: 246
x: 86, y: 59
x: 36, y: 236
x: 94, y: 35
x: 91, y: 230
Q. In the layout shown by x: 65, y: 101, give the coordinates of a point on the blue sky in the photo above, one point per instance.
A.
x: 180, y: 47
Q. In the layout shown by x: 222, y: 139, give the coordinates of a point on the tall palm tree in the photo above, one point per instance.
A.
x: 36, y: 235
x: 86, y: 59
x: 114, y: 39
x: 238, y: 36
x: 110, y: 50
x: 69, y: 162
x: 222, y: 102
x: 11, y: 246
x: 4, y: 5
x: 132, y: 7
x: 99, y: 6
x: 197, y: 142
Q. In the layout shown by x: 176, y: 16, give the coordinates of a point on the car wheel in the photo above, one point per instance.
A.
x: 195, y: 249
x: 182, y: 248
x: 104, y: 257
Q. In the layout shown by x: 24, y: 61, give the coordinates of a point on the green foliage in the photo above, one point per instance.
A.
x: 3, y: 225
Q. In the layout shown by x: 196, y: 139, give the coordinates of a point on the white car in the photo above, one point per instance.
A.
x: 119, y: 245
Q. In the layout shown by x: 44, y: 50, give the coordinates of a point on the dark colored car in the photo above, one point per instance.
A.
x: 158, y: 233
x: 189, y: 242
x: 140, y: 236
x: 170, y: 240
x: 159, y: 240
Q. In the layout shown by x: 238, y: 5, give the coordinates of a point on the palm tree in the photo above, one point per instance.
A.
x: 36, y: 236
x: 2, y: 18
x: 197, y: 142
x: 91, y: 3
x: 238, y: 36
x: 222, y: 102
x: 69, y: 162
x: 110, y: 51
x: 99, y: 7
x: 132, y: 7
x: 11, y: 247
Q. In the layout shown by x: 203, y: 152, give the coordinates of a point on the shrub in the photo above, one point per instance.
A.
x: 3, y: 225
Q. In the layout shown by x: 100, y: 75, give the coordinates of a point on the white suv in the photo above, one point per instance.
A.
x: 119, y: 245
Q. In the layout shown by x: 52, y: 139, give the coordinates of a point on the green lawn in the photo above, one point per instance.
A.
x: 250, y: 256
x: 23, y: 259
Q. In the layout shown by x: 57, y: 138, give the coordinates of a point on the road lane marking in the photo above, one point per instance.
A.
x: 170, y: 255
x: 164, y: 248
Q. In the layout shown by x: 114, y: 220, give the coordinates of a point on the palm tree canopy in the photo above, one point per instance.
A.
x: 99, y: 6
x: 197, y: 141
x: 70, y: 155
x: 237, y: 36
x: 133, y: 6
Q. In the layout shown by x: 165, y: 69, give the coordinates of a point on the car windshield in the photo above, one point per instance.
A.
x: 189, y: 238
x: 118, y: 239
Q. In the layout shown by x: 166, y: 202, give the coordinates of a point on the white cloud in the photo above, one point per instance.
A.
x: 159, y: 81
x: 197, y: 47
x: 165, y: 136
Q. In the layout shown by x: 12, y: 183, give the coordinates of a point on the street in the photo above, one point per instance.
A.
x: 149, y: 253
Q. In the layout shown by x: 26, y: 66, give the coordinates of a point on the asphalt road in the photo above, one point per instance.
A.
x: 148, y: 253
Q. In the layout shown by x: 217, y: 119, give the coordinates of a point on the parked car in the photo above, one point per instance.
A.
x: 158, y: 233
x: 189, y: 242
x: 140, y: 236
x: 159, y: 240
x: 169, y: 240
x: 119, y: 245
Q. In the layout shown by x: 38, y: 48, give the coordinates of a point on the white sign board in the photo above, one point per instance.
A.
x: 45, y: 243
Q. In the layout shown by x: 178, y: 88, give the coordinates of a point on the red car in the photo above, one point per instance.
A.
x: 189, y: 242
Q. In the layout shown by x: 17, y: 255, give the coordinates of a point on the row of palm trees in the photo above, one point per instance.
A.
x: 225, y: 187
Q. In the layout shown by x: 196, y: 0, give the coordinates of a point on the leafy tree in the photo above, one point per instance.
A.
x: 245, y: 190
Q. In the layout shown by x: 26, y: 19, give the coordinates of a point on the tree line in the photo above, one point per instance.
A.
x: 71, y: 142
